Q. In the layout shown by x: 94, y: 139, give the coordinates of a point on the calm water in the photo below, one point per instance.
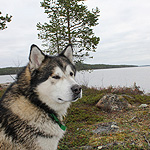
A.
x: 109, y: 77
x: 117, y: 77
x: 7, y: 78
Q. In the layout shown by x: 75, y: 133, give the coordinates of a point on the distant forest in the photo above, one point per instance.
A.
x: 10, y: 70
x: 79, y: 66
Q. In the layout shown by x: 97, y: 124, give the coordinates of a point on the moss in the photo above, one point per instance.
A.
x: 142, y: 99
x: 2, y: 92
x: 83, y: 117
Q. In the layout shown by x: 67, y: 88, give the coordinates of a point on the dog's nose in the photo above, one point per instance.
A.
x: 76, y: 89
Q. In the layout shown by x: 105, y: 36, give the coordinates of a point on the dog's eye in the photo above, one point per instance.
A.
x: 71, y: 73
x: 56, y: 77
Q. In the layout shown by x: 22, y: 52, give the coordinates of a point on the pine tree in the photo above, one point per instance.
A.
x: 3, y: 21
x: 69, y: 22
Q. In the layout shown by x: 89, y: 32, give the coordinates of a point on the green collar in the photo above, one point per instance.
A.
x: 58, y: 122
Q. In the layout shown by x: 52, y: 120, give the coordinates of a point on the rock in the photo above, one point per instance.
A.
x: 147, y: 94
x: 114, y: 127
x: 106, y: 128
x: 100, y: 147
x: 113, y: 102
x: 107, y: 146
x: 84, y: 148
x: 143, y: 106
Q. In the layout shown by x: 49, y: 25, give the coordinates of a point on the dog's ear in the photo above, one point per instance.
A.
x: 36, y: 57
x: 68, y: 52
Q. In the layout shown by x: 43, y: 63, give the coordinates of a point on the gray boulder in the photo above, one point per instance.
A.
x: 113, y: 102
x: 106, y: 128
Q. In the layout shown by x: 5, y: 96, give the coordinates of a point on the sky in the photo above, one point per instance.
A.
x: 124, y: 31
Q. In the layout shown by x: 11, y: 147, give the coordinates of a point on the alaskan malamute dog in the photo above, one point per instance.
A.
x: 32, y: 109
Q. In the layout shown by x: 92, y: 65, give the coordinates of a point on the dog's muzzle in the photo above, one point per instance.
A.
x: 76, y: 89
x: 76, y: 93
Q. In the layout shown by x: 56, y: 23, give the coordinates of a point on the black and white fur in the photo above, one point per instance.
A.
x: 45, y: 86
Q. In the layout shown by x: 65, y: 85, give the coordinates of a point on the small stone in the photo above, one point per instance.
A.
x: 114, y: 126
x: 106, y: 128
x: 143, y: 106
x: 100, y: 147
x: 86, y: 147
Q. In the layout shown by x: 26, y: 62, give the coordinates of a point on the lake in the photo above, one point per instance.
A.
x: 109, y: 77
x: 7, y: 78
x: 116, y: 77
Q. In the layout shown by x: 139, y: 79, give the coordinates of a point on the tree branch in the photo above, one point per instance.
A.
x: 76, y: 27
x: 76, y: 24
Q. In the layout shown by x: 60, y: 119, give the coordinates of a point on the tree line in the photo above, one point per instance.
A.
x: 82, y: 66
x: 10, y: 70
x: 79, y: 66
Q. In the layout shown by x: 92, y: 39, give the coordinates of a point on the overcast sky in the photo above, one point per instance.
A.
x: 124, y: 30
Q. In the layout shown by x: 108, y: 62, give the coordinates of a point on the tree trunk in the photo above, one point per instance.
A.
x: 68, y: 21
x: 57, y: 41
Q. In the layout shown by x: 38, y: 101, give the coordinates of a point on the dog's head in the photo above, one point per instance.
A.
x: 53, y: 77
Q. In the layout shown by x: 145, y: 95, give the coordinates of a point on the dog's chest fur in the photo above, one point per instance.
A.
x: 49, y: 132
x: 51, y: 142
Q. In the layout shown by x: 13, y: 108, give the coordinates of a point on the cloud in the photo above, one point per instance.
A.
x: 124, y: 30
x: 16, y: 40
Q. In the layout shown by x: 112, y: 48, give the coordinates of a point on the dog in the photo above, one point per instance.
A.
x: 32, y: 108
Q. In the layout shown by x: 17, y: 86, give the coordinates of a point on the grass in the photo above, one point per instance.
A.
x: 2, y: 92
x: 83, y: 117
